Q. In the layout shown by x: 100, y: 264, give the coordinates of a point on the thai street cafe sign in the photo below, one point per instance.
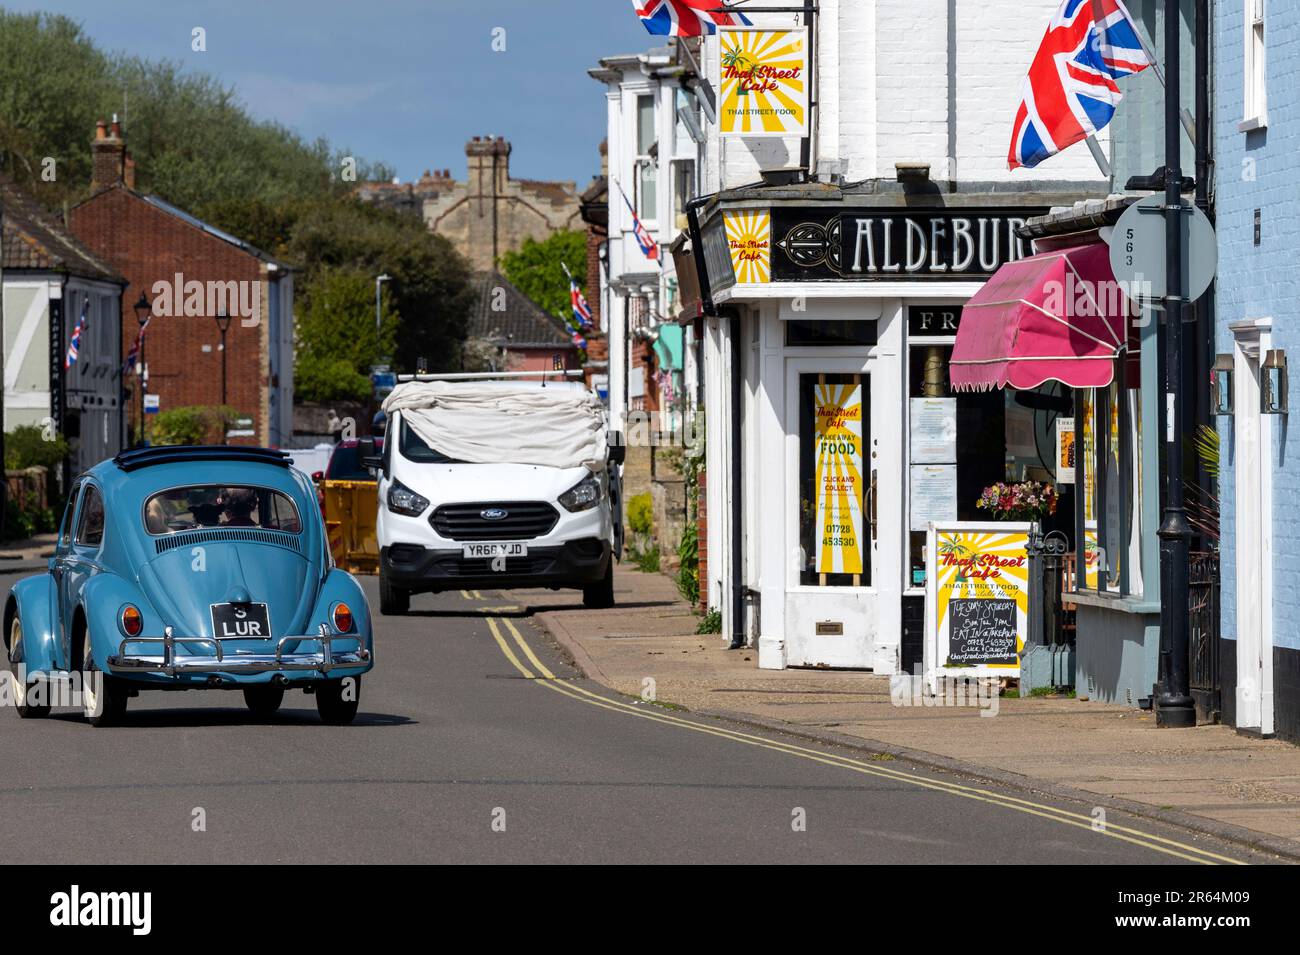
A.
x: 977, y: 599
x: 838, y: 434
x: 763, y: 79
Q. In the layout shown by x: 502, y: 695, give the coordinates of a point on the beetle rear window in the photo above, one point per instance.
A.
x: 217, y: 505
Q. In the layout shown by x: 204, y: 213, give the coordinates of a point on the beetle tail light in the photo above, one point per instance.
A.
x: 342, y: 618
x: 132, y: 621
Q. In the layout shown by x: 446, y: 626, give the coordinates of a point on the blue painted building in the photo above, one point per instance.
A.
x: 1257, y: 147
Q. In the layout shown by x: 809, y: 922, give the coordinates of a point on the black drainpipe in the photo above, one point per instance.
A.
x: 737, y: 485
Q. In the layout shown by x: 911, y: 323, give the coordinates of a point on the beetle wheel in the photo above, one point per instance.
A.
x: 263, y: 700
x: 103, y: 698
x: 337, y: 700
x: 30, y: 698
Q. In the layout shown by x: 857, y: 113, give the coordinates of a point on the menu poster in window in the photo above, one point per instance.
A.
x: 934, y: 431
x: 1065, y: 450
x: 977, y: 600
x: 838, y: 435
x: 933, y: 497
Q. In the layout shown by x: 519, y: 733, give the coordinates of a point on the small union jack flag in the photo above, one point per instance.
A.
x: 581, y: 310
x: 133, y: 355
x: 648, y: 245
x: 685, y: 17
x: 74, y: 346
x: 1070, y: 91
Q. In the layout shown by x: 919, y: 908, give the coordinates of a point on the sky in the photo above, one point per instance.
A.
x: 405, y: 82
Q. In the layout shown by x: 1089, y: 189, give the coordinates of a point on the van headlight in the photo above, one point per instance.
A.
x: 403, y: 500
x: 583, y: 496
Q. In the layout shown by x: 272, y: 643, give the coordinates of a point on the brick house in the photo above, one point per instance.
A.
x: 524, y: 335
x: 192, y: 273
x: 52, y: 282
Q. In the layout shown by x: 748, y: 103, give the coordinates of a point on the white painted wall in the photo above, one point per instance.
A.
x: 883, y: 92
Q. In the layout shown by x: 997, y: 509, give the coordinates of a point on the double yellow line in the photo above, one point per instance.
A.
x: 544, y: 677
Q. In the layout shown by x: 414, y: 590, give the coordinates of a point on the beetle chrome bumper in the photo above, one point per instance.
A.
x: 171, y: 663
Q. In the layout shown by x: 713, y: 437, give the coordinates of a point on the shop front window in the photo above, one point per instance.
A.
x: 836, y: 481
x: 962, y: 442
x: 1110, y: 510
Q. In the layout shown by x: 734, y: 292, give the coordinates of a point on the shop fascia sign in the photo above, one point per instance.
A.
x: 750, y: 246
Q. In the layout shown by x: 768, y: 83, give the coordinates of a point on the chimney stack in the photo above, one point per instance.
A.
x: 108, y: 155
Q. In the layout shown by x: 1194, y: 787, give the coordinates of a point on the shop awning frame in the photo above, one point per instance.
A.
x: 1011, y: 334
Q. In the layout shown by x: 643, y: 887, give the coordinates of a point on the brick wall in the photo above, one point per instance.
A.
x: 147, y: 245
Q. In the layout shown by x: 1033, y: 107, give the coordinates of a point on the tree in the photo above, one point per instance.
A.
x: 193, y: 140
x: 430, y: 280
x: 537, y: 270
x: 337, y: 341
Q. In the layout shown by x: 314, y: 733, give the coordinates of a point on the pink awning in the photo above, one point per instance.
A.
x: 1054, y: 316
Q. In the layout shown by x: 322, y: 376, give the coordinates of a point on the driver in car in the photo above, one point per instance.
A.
x: 240, y: 503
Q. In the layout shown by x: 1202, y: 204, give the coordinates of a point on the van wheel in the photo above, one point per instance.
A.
x: 263, y: 701
x: 600, y: 596
x: 337, y: 700
x: 393, y: 601
x: 25, y: 691
x: 103, y: 697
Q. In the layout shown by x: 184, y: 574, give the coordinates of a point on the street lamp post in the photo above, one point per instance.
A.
x: 142, y: 310
x: 223, y: 324
x: 1173, y: 704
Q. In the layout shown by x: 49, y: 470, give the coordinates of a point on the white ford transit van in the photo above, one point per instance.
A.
x: 496, y: 483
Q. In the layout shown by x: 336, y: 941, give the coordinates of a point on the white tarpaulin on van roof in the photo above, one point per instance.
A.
x: 496, y: 423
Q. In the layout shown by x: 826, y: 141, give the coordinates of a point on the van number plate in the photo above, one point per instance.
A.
x: 496, y: 549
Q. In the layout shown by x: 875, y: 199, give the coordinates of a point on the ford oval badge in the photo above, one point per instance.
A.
x: 494, y: 514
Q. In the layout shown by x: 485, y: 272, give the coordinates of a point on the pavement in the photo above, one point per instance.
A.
x: 27, y: 556
x: 1210, y: 778
x: 477, y: 742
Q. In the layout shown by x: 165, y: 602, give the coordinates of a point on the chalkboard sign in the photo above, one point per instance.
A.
x: 976, y: 599
x: 982, y: 632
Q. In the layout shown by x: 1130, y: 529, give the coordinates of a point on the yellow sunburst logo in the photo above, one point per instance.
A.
x: 749, y: 240
x: 764, y: 82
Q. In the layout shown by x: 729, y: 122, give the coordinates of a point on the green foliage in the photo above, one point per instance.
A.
x: 195, y: 424
x: 430, y: 280
x: 537, y: 271
x: 27, y: 447
x: 688, y: 570
x: 647, y: 561
x: 193, y: 140
x: 20, y: 525
x: 711, y: 622
x: 1205, y: 442
x: 337, y: 341
x: 640, y: 513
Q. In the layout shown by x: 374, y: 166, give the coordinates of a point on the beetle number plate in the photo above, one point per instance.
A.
x: 235, y: 621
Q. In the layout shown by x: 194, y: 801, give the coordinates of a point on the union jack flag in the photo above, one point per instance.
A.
x: 685, y: 17
x: 648, y: 245
x: 74, y: 346
x: 1070, y: 90
x: 581, y: 310
x: 133, y: 355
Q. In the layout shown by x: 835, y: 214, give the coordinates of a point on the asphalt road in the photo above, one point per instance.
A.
x: 476, y: 743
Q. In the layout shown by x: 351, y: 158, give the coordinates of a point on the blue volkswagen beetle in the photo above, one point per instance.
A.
x: 186, y: 568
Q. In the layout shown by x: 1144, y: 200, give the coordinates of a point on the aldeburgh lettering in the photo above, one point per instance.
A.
x: 932, y: 244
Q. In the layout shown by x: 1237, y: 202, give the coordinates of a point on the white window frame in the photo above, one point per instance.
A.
x: 1254, y: 75
x: 649, y: 213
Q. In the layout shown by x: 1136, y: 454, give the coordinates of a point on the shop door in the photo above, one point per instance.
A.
x: 831, y: 601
